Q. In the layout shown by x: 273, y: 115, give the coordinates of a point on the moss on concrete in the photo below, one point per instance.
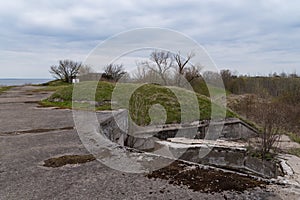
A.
x: 68, y: 159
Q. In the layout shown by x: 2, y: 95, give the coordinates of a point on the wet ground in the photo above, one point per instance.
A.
x: 30, y: 135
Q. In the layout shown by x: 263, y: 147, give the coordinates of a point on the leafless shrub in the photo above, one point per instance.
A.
x: 272, y: 119
x: 113, y: 72
x: 160, y: 63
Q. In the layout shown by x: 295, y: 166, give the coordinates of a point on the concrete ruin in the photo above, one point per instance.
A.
x: 222, y: 154
x: 225, y: 150
x: 231, y: 129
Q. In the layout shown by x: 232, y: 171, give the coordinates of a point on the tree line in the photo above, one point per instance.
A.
x: 162, y: 66
x: 166, y: 68
x: 284, y: 87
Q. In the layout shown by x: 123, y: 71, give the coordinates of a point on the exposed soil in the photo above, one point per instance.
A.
x: 204, y: 180
x: 68, y: 159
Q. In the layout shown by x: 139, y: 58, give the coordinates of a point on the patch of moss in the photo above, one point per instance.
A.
x: 258, y: 154
x: 294, y: 137
x: 63, y: 105
x: 68, y: 159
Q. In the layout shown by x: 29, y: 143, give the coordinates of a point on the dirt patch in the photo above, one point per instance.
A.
x: 204, y: 180
x: 68, y: 159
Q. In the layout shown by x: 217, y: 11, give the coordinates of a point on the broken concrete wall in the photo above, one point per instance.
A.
x: 187, y: 132
x: 141, y: 142
x: 232, y: 129
x: 239, y: 130
x: 234, y: 159
x: 115, y: 128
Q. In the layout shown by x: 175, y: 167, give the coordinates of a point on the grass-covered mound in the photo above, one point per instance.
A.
x: 139, y: 100
x: 55, y: 83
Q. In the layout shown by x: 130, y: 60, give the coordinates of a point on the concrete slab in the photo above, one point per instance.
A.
x: 213, y: 143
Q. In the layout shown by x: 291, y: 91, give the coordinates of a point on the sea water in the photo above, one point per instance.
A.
x: 17, y: 82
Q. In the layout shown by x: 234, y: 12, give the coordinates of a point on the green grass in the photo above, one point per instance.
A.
x: 294, y: 137
x: 180, y: 105
x: 258, y: 154
x: 55, y: 83
x: 52, y: 86
x: 294, y: 151
x: 69, y: 105
x: 84, y: 92
x: 49, y: 89
x: 4, y: 88
x: 204, y: 88
x: 63, y: 105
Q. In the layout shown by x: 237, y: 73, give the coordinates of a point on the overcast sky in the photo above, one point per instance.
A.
x: 251, y: 37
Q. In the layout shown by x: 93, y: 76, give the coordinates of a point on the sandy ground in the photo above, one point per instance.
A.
x: 24, y: 147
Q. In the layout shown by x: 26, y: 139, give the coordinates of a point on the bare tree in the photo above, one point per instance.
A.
x: 193, y: 72
x: 227, y: 77
x: 66, y: 70
x: 162, y: 62
x: 145, y: 75
x: 181, y: 64
x: 272, y: 118
x: 113, y: 72
x: 141, y: 73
